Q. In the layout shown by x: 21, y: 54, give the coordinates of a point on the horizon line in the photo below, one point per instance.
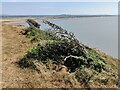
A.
x: 54, y: 14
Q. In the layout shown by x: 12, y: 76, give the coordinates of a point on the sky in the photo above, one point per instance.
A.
x: 57, y: 8
x: 60, y: 0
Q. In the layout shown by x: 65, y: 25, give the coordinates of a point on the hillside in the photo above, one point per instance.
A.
x: 25, y: 64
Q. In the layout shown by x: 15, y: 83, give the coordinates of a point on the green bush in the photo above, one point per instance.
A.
x: 58, y: 50
x: 97, y: 62
x: 24, y: 63
x: 55, y: 51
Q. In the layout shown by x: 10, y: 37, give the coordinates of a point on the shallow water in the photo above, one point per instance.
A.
x: 96, y: 32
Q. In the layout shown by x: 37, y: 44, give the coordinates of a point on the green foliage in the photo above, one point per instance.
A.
x: 36, y: 34
x: 98, y: 63
x: 31, y: 32
x: 58, y: 50
x: 55, y: 51
x: 24, y: 63
x: 73, y: 63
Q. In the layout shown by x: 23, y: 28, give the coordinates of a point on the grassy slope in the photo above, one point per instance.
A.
x: 14, y: 47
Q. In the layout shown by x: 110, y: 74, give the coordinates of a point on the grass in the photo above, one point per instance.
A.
x: 84, y: 75
x: 54, y: 52
x: 36, y: 35
x: 48, y: 76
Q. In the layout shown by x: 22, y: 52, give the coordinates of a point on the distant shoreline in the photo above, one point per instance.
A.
x: 54, y: 16
x: 21, y: 19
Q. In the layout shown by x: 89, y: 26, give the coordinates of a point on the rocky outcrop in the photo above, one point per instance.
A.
x: 33, y: 23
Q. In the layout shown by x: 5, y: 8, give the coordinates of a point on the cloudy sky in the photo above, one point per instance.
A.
x: 56, y: 8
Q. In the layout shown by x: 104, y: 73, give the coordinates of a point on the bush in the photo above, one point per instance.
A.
x: 24, y: 63
x: 97, y: 63
x: 57, y: 51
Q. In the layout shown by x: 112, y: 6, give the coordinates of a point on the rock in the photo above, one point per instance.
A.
x: 33, y: 23
x: 63, y: 70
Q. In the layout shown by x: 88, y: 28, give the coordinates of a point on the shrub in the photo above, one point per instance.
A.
x: 57, y: 51
x: 97, y: 62
x: 24, y: 63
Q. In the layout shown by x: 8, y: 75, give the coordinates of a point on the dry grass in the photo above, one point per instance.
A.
x: 0, y: 55
x: 14, y: 47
